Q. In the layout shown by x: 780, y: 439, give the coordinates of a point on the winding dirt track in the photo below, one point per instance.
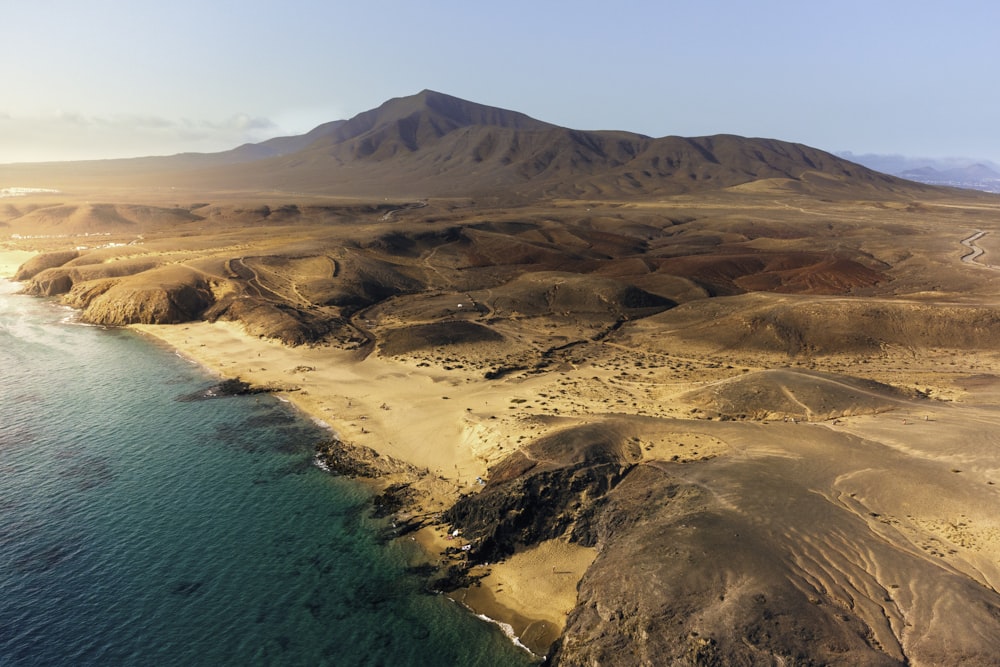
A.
x: 976, y: 252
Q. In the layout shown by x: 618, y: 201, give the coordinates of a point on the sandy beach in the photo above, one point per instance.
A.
x: 447, y: 424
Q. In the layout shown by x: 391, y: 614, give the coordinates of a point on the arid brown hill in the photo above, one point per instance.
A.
x: 430, y: 144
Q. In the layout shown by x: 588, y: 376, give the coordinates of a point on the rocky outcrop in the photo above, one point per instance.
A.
x: 291, y: 325
x: 122, y: 293
x: 343, y: 458
x: 47, y: 260
x: 230, y: 387
x: 49, y: 282
x: 552, y: 488
x: 167, y: 295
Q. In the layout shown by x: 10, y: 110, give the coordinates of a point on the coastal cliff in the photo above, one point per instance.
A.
x: 105, y: 294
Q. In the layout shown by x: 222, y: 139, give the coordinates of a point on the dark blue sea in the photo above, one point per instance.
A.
x: 139, y: 529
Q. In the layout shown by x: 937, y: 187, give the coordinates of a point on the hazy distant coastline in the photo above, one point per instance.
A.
x: 968, y: 173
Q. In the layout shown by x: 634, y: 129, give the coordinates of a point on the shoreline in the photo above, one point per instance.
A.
x: 11, y: 261
x: 375, y: 402
x: 445, y: 424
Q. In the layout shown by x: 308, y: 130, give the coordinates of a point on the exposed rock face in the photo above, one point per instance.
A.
x: 167, y: 295
x: 123, y: 305
x: 48, y: 282
x: 551, y: 488
x: 290, y: 325
x: 118, y: 294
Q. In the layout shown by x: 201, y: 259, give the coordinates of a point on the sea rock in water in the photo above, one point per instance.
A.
x: 342, y: 458
x: 229, y: 387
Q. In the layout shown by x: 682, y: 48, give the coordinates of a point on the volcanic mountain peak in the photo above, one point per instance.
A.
x: 432, y: 144
x: 426, y: 115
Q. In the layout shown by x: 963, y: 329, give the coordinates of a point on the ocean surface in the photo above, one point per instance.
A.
x: 139, y: 529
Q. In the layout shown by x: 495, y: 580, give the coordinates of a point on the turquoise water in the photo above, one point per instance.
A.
x: 137, y: 529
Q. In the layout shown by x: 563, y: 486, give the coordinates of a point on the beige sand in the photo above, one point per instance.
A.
x: 455, y: 424
x: 446, y: 422
x: 538, y: 583
x: 531, y: 592
x: 420, y: 415
x: 424, y: 416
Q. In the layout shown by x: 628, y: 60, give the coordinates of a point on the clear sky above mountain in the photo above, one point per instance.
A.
x: 112, y: 78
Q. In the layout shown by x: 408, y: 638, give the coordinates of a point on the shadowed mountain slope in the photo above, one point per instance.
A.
x: 431, y: 144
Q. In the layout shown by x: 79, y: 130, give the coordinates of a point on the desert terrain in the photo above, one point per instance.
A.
x: 728, y: 409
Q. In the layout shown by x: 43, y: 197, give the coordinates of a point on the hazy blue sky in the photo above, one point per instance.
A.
x: 109, y: 78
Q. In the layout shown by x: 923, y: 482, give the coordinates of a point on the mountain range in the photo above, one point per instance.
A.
x: 968, y: 173
x: 432, y: 144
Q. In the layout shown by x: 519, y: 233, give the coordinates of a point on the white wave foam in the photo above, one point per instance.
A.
x: 320, y: 463
x: 508, y: 630
x: 322, y: 424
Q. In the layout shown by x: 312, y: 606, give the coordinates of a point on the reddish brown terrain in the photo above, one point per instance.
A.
x: 732, y: 401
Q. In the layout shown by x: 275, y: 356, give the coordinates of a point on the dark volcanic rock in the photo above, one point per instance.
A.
x: 343, y: 458
x: 392, y: 499
x: 228, y: 387
x: 455, y: 577
x: 553, y: 488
